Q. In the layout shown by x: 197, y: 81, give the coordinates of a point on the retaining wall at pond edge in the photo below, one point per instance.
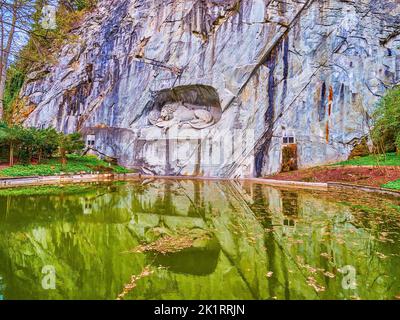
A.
x: 10, y: 182
x: 61, y: 179
x: 340, y: 186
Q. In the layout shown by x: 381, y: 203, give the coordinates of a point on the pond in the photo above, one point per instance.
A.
x: 185, y: 239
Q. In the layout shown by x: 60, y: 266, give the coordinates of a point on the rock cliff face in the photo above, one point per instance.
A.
x: 256, y: 80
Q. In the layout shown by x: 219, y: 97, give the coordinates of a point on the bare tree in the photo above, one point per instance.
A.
x: 6, y: 43
x: 16, y: 20
x: 20, y: 28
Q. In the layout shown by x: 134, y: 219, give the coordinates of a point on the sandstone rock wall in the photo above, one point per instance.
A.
x: 307, y: 72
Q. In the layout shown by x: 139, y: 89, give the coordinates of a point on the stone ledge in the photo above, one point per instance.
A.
x: 9, y: 182
x: 290, y: 184
x: 341, y: 185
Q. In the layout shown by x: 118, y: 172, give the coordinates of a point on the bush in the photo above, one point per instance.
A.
x: 71, y: 143
x: 29, y: 144
x: 41, y: 45
x: 386, y: 129
x: 15, y: 78
x: 75, y: 164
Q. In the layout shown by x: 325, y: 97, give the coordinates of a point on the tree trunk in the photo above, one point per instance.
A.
x: 5, y: 54
x: 11, y: 154
x: 63, y: 157
x: 1, y: 67
x: 2, y: 85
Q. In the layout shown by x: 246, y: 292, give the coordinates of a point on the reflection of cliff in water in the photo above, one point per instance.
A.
x: 199, y: 261
x: 254, y: 231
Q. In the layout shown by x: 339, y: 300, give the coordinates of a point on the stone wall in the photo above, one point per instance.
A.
x: 312, y: 70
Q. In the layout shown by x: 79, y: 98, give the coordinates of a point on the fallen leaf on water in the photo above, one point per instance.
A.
x: 381, y: 255
x: 134, y: 278
x: 329, y: 274
x: 325, y: 255
x: 167, y: 244
x: 314, y: 284
x: 311, y: 269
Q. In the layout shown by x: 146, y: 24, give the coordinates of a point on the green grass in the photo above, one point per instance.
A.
x: 392, y: 185
x: 75, y: 164
x: 390, y: 159
x: 45, y: 190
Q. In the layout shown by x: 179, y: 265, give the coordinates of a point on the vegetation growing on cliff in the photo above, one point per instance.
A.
x: 386, y: 130
x: 29, y: 44
x: 15, y: 79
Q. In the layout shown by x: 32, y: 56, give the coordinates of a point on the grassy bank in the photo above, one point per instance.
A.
x: 75, y: 164
x: 373, y: 170
x: 395, y: 185
x: 46, y: 190
x: 389, y: 159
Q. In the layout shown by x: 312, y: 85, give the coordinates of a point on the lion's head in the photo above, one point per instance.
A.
x: 167, y: 112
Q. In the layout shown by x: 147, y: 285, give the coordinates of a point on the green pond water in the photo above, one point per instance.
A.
x: 247, y: 241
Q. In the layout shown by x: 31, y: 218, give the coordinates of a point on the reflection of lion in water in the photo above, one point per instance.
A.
x: 179, y: 114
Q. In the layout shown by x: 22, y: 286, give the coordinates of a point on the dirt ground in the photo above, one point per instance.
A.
x: 369, y: 176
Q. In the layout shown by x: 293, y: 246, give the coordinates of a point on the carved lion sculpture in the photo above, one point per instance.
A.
x: 178, y: 114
